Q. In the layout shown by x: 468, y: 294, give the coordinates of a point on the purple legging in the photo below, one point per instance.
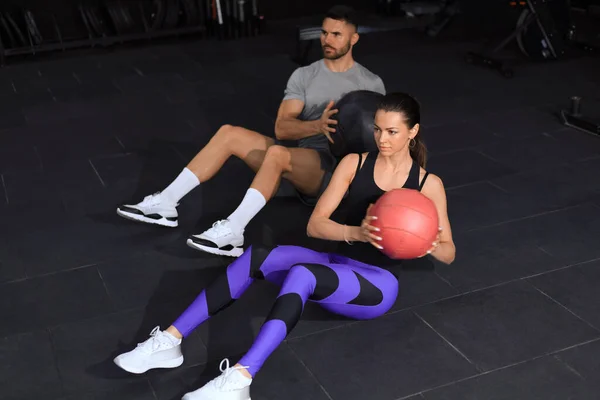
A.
x: 339, y: 284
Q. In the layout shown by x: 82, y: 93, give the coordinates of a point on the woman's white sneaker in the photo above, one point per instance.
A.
x: 230, y: 385
x: 161, y: 350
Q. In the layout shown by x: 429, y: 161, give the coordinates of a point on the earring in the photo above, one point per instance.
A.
x: 412, y: 143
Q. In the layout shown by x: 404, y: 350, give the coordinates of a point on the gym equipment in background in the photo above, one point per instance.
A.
x: 575, y: 118
x: 544, y: 31
x: 393, y: 15
x: 104, y: 23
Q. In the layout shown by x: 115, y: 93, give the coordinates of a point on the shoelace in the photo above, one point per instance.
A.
x: 219, y: 228
x: 222, y: 381
x: 151, y: 200
x: 154, y: 343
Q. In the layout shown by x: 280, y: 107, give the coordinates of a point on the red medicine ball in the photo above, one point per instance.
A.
x: 408, y: 223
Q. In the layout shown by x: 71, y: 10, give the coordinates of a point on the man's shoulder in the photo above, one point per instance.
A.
x: 308, y: 70
x: 367, y: 72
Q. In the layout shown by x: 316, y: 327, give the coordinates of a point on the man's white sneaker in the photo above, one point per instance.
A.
x: 230, y: 385
x: 161, y: 350
x: 151, y: 210
x: 220, y: 239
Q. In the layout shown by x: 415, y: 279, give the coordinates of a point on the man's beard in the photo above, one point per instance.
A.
x: 336, y: 54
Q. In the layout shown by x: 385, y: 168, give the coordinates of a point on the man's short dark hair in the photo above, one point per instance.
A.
x: 343, y: 13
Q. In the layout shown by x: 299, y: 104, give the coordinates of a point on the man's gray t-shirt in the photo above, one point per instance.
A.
x: 316, y: 85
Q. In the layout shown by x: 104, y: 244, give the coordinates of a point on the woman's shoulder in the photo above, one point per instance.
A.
x: 352, y: 159
x: 432, y: 181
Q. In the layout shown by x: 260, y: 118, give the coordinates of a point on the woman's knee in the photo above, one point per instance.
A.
x: 390, y: 287
x: 320, y: 280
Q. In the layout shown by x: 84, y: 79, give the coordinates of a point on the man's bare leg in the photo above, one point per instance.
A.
x: 302, y: 167
x: 229, y: 140
x: 247, y: 145
x: 160, y: 208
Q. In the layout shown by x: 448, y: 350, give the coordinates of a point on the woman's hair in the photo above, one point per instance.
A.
x: 410, y: 108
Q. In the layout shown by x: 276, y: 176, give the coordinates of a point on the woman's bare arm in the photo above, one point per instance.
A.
x: 320, y: 224
x: 434, y: 189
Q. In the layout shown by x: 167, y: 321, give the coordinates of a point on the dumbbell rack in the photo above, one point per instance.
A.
x: 105, y: 23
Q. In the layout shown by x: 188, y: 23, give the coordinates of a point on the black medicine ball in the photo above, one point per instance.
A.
x: 355, y: 128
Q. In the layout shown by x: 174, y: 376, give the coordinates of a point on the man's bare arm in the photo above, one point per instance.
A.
x: 289, y: 127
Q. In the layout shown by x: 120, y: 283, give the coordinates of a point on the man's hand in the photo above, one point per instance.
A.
x: 326, y: 120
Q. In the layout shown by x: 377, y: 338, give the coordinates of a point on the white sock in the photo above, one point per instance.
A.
x: 172, y: 338
x: 252, y: 203
x: 182, y: 185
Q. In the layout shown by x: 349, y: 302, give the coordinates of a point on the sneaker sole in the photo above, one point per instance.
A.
x: 174, y: 363
x: 236, y: 252
x: 141, y: 218
x: 188, y: 396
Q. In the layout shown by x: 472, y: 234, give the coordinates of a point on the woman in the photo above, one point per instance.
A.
x: 355, y: 287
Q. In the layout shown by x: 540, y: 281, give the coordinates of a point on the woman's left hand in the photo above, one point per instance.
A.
x: 435, y: 244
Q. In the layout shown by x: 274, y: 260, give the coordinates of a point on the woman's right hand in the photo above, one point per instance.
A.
x: 369, y: 232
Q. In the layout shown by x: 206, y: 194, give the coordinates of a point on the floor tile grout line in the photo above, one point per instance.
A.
x: 512, y: 174
x: 115, y: 155
x: 55, y: 358
x: 527, y: 217
x: 484, y: 155
x: 178, y: 153
x: 149, y: 382
x: 191, y: 124
x: 563, y: 306
x: 94, y: 264
x: 308, y: 370
x: 557, y: 357
x: 112, y: 302
x: 39, y: 158
x: 498, y: 187
x: 502, y: 368
x: 464, y: 185
x: 489, y: 181
x: 542, y: 249
x: 495, y: 114
x: 577, y: 264
x: 116, y: 85
x: 419, y: 394
x: 463, y: 355
x: 349, y: 323
x: 54, y: 99
x: 96, y: 171
x: 5, y: 189
x: 89, y: 319
x: 445, y: 280
x: 120, y: 142
x: 590, y: 158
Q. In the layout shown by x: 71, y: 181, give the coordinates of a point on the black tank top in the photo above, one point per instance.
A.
x: 364, y: 191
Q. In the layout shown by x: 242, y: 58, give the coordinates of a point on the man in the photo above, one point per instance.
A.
x: 304, y: 116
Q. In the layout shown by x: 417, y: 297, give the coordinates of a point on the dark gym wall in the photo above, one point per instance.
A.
x: 282, y: 9
x: 271, y: 9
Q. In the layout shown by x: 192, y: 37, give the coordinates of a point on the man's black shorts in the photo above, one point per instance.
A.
x: 328, y: 165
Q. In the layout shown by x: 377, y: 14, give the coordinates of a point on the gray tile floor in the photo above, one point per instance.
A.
x: 515, y: 317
